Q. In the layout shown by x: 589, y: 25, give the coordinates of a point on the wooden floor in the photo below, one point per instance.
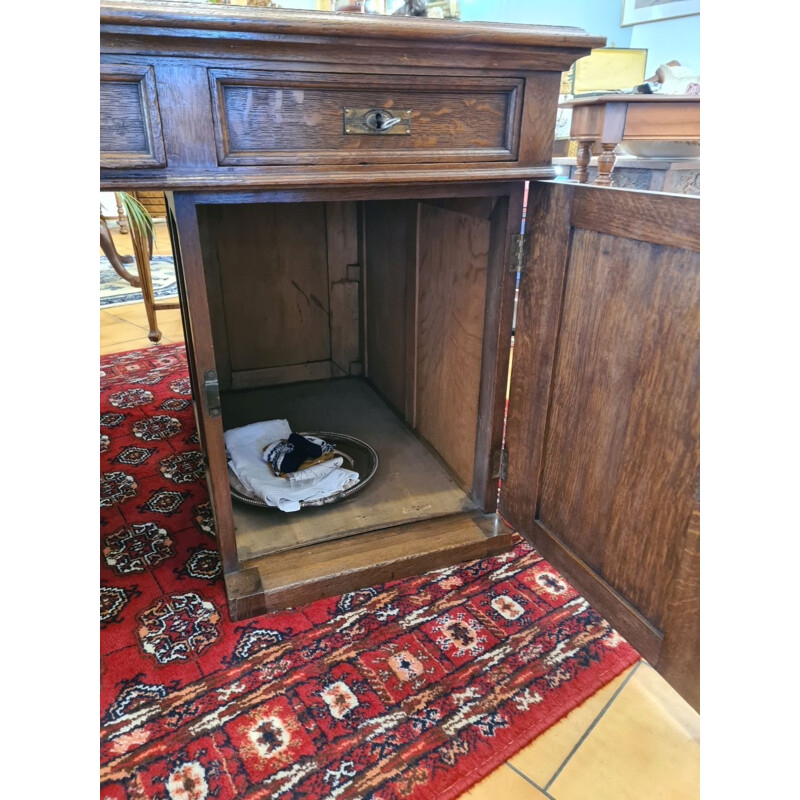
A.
x: 635, y: 739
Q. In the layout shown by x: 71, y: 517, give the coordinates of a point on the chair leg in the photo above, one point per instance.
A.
x: 142, y: 250
x: 114, y: 258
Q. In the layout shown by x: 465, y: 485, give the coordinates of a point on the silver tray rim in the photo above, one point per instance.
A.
x: 322, y: 501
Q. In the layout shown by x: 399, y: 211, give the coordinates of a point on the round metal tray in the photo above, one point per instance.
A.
x: 358, y: 456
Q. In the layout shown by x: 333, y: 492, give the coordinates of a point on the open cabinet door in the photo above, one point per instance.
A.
x: 185, y: 239
x: 603, y: 421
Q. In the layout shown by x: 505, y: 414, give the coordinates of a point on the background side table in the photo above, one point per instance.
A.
x: 612, y: 118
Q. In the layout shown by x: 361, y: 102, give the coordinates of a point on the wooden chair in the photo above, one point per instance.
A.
x: 142, y: 252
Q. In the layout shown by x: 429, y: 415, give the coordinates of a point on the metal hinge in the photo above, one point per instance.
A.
x: 211, y: 388
x: 500, y: 464
x: 519, y: 251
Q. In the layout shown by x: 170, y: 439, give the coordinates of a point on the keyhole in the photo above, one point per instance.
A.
x: 379, y: 120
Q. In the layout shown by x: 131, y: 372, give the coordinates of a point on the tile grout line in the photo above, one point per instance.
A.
x: 122, y: 319
x: 593, y: 724
x: 531, y: 782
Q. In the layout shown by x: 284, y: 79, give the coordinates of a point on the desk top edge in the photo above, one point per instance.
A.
x: 601, y: 99
x: 282, y: 22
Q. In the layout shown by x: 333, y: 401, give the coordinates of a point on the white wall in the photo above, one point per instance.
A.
x: 109, y: 203
x: 669, y: 39
x: 594, y: 16
x: 665, y: 40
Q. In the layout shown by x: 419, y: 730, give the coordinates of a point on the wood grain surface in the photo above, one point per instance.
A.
x: 308, y: 23
x: 130, y: 125
x: 344, y: 285
x: 282, y: 580
x: 390, y: 231
x: 603, y: 426
x: 274, y: 281
x: 453, y: 260
x: 297, y: 118
x: 411, y: 483
x: 680, y: 655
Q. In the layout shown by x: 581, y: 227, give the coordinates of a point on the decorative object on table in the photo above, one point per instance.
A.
x: 609, y: 69
x: 634, y: 12
x: 115, y: 290
x: 500, y: 649
x: 412, y: 8
x: 606, y: 69
x: 675, y: 78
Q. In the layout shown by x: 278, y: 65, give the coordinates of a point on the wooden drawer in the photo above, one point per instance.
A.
x: 130, y: 119
x: 276, y: 118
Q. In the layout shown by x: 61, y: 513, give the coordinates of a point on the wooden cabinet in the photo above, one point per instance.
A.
x: 358, y: 276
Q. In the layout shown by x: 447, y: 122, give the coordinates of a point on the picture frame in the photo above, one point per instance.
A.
x: 635, y: 12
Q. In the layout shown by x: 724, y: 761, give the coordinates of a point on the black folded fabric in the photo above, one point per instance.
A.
x: 291, y: 453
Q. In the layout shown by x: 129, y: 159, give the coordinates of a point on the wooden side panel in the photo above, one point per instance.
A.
x: 603, y: 427
x: 680, y: 654
x: 272, y: 262
x: 451, y: 290
x: 130, y: 119
x: 390, y: 234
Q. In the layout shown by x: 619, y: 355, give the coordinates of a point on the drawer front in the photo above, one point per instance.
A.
x: 299, y: 118
x: 130, y: 119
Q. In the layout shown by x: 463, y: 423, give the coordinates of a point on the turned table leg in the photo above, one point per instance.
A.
x: 121, y: 220
x: 583, y: 157
x: 605, y: 164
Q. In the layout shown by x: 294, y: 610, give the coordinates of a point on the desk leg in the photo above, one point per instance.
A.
x: 605, y: 164
x: 583, y: 157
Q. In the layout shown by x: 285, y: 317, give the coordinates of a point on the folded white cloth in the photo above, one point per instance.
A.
x: 245, y: 446
x: 310, y: 476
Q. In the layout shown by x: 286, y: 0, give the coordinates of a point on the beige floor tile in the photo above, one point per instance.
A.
x: 502, y: 784
x: 133, y: 344
x: 647, y: 745
x: 169, y: 315
x: 119, y: 331
x: 173, y: 330
x: 135, y: 313
x: 107, y: 317
x: 545, y: 754
x: 131, y: 312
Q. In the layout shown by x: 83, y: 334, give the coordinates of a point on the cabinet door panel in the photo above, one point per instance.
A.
x: 185, y: 237
x: 603, y: 425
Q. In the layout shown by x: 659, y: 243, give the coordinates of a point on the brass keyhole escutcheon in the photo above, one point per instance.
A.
x: 380, y: 119
x: 377, y: 121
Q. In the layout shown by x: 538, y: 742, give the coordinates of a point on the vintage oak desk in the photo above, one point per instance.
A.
x: 345, y: 199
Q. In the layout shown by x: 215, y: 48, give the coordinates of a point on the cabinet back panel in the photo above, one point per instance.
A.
x: 273, y: 276
x: 390, y: 256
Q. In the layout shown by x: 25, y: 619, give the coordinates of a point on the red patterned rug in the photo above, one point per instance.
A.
x: 413, y: 689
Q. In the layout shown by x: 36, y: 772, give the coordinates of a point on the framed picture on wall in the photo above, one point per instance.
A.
x: 634, y: 12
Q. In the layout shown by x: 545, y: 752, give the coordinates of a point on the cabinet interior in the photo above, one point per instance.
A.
x: 364, y: 318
